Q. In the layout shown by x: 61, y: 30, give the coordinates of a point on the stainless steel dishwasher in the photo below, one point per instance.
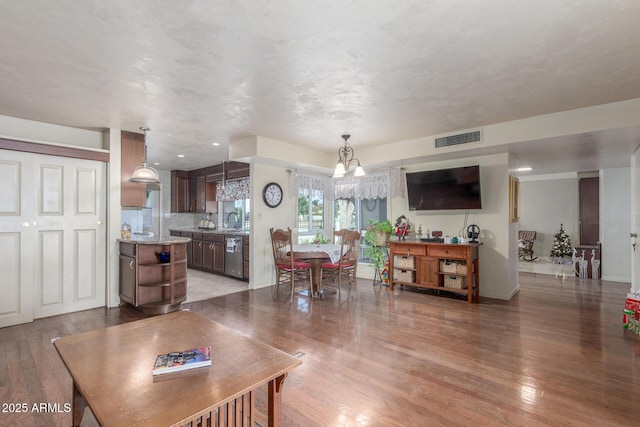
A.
x: 233, y: 256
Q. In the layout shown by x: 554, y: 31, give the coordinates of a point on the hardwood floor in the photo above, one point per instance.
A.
x: 555, y: 355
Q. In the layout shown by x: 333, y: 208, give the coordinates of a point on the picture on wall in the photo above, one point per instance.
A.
x: 514, y: 199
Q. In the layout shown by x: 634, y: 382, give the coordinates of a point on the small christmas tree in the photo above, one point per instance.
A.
x: 561, y: 244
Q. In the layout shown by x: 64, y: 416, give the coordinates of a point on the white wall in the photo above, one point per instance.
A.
x: 545, y: 203
x: 615, y: 219
x: 263, y: 218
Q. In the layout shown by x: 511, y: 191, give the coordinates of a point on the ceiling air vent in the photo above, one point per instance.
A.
x: 462, y: 138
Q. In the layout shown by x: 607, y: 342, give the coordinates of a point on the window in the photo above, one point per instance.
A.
x: 310, y: 214
x: 355, y: 214
x: 234, y: 214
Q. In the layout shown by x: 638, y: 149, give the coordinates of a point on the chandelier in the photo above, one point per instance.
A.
x: 345, y: 160
x: 144, y: 173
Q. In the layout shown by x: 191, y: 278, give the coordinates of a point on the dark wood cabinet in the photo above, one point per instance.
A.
x: 196, y: 251
x: 131, y: 156
x: 180, y: 192
x: 245, y: 257
x: 128, y: 275
x: 201, y: 195
x: 218, y: 254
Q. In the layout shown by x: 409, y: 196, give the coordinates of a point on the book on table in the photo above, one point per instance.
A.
x: 182, y: 360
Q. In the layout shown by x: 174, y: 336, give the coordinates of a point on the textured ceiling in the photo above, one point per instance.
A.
x: 304, y: 72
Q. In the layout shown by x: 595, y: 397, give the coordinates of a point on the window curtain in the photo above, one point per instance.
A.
x: 376, y: 184
x: 235, y: 190
x: 298, y: 180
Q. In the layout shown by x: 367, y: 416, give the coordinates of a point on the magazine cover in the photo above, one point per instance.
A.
x: 182, y: 360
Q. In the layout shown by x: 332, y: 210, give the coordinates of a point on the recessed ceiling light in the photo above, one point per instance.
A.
x: 216, y: 143
x: 156, y: 164
x: 180, y: 155
x: 524, y: 169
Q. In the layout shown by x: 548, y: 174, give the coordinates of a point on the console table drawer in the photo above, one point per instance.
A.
x: 447, y: 251
x: 413, y: 250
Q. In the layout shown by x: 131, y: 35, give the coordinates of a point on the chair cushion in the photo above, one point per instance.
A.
x: 330, y: 265
x: 335, y: 265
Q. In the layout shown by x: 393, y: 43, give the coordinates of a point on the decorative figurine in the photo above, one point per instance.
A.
x: 402, y: 227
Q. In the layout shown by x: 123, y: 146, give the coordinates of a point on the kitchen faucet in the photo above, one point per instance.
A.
x: 236, y: 218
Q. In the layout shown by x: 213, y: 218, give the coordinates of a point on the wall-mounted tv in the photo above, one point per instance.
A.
x: 455, y: 188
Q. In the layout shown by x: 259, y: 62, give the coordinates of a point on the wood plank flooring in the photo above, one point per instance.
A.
x: 555, y: 355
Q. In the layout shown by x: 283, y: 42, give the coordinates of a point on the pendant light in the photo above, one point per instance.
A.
x: 345, y: 158
x: 145, y: 174
x: 223, y: 185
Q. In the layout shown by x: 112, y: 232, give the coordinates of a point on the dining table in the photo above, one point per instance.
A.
x: 316, y: 254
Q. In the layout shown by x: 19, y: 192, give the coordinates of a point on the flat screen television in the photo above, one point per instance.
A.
x: 455, y: 188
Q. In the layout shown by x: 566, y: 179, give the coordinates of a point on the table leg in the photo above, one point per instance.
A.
x: 79, y: 404
x: 316, y: 281
x: 275, y: 401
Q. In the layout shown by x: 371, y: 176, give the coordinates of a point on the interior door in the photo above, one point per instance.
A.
x: 53, y: 235
x: 589, y: 191
x: 635, y: 222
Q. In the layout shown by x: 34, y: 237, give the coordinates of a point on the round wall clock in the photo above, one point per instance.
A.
x: 272, y: 194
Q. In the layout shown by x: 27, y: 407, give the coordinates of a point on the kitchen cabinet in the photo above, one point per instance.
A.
x: 245, y: 257
x: 180, y: 192
x: 132, y: 194
x: 151, y: 285
x: 218, y: 254
x: 196, y: 251
x: 200, y: 199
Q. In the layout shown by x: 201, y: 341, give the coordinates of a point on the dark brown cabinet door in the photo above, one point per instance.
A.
x: 197, y: 252
x: 180, y: 192
x: 201, y: 199
x: 207, y: 256
x: 132, y: 154
x: 127, y: 279
x: 589, y: 210
x: 218, y: 257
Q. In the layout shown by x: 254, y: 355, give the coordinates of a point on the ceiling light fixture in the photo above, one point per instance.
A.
x: 145, y: 174
x: 524, y: 169
x: 345, y: 159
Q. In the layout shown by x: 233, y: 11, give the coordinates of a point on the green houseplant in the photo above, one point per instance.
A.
x: 376, y: 236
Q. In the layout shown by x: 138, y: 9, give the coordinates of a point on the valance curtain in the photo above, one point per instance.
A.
x: 298, y: 180
x: 235, y: 190
x: 379, y: 183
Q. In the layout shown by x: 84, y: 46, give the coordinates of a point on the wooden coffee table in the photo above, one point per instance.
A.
x: 111, y: 372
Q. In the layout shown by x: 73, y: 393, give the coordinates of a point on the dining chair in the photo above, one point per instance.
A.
x: 288, y: 269
x: 346, y: 267
x: 337, y: 236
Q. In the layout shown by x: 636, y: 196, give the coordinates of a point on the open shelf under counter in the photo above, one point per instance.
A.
x: 153, y: 286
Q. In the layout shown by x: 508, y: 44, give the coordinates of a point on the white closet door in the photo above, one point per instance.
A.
x: 54, y: 219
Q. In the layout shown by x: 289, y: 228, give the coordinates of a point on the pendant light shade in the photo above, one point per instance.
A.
x: 145, y: 174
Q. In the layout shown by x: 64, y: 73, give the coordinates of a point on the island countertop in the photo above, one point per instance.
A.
x: 155, y: 240
x: 227, y: 231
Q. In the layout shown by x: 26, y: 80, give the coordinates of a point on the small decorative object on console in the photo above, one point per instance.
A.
x: 402, y: 227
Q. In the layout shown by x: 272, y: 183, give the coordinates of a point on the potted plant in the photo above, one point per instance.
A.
x: 376, y: 236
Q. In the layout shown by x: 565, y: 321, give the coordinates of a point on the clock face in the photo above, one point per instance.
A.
x: 272, y: 195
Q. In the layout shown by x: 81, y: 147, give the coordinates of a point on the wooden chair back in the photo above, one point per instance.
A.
x: 281, y: 243
x: 350, y: 247
x: 337, y: 235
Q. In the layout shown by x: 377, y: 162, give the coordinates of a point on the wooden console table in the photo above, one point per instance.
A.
x: 111, y: 372
x: 420, y: 264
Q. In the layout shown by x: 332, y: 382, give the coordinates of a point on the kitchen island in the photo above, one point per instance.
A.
x: 153, y: 273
